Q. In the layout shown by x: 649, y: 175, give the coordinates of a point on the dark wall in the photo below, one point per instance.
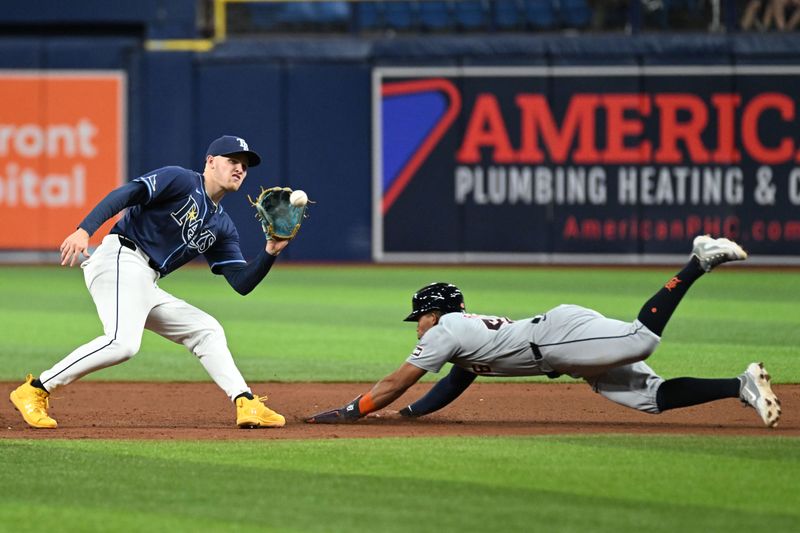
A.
x: 305, y: 104
x: 310, y: 123
x: 155, y: 19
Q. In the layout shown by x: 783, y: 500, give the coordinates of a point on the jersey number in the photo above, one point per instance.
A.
x: 495, y: 323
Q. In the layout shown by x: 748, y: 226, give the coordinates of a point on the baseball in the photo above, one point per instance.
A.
x: 298, y: 198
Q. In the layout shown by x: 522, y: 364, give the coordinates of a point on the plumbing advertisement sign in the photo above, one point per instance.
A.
x: 601, y: 164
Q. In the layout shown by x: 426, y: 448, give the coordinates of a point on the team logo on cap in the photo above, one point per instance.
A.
x: 242, y: 143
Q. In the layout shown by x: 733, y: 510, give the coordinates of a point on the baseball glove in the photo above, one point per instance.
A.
x: 279, y: 218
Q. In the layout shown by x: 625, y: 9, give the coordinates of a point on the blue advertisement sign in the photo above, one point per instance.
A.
x: 604, y: 164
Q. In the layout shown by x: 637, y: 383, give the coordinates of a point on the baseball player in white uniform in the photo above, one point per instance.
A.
x: 173, y: 215
x: 609, y: 354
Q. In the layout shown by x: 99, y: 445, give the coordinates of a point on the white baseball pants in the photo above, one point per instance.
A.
x: 128, y: 300
x: 609, y: 354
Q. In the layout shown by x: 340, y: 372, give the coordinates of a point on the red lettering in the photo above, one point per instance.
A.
x: 662, y: 230
x: 646, y: 229
x: 676, y: 230
x: 537, y: 117
x: 730, y: 227
x: 590, y: 229
x: 726, y: 105
x: 774, y: 230
x: 750, y: 138
x: 682, y: 121
x: 486, y: 129
x: 571, y: 230
x: 610, y: 230
x: 693, y: 225
x: 792, y: 231
x: 712, y: 226
x: 618, y: 128
x: 671, y: 130
x: 623, y: 228
x: 758, y: 230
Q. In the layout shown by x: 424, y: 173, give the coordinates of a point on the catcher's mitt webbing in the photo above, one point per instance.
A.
x: 279, y: 218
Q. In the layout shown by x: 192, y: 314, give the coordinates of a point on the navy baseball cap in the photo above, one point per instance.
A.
x: 229, y: 145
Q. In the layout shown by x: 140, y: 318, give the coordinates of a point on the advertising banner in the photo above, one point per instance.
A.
x: 61, y: 151
x: 602, y: 164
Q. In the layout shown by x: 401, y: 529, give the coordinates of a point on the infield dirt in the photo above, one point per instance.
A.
x: 188, y: 411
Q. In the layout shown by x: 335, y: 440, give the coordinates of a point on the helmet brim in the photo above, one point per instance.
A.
x: 413, y: 317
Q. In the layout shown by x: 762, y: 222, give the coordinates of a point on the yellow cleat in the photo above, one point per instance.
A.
x: 32, y: 403
x: 254, y: 414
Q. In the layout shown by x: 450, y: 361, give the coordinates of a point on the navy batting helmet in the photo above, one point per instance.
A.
x: 443, y: 297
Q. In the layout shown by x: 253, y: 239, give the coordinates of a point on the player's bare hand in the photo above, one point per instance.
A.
x: 274, y: 246
x: 73, y: 246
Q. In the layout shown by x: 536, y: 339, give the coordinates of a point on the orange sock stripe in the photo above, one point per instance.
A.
x: 365, y: 404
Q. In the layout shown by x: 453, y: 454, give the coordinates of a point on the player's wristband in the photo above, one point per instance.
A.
x: 359, y: 407
x: 365, y: 404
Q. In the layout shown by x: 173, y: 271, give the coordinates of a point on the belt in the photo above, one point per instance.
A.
x: 127, y: 243
x: 537, y: 353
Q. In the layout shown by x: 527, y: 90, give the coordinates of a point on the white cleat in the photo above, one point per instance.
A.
x: 712, y: 252
x: 757, y: 393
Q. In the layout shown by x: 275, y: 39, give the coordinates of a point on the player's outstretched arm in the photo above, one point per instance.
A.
x: 245, y: 278
x: 77, y: 243
x: 445, y: 391
x: 382, y: 394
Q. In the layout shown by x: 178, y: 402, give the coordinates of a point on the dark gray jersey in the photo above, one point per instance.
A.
x: 482, y: 344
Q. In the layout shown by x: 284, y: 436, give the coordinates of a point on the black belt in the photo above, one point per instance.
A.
x: 127, y: 243
x: 537, y: 353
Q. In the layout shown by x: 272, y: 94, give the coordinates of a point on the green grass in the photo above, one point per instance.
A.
x: 581, y: 483
x: 343, y: 323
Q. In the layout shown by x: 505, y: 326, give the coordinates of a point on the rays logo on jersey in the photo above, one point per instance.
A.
x: 189, y: 221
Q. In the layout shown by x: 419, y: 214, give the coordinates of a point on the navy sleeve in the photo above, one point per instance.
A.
x: 244, y: 278
x: 131, y: 193
x: 445, y: 391
x: 166, y: 184
x: 225, y: 251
